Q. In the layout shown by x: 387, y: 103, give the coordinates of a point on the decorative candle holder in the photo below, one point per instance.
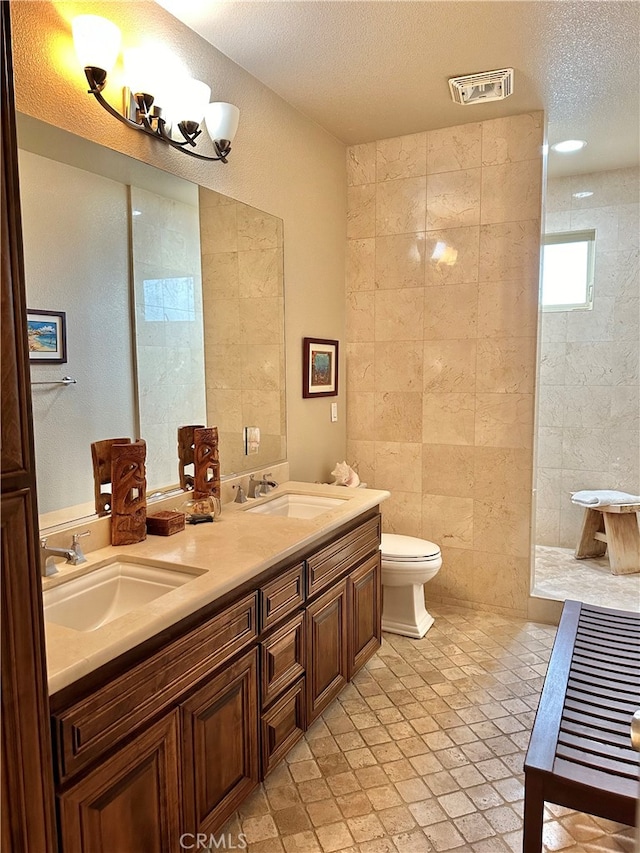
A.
x: 101, y: 458
x: 129, y: 489
x: 185, y: 455
x: 206, y: 462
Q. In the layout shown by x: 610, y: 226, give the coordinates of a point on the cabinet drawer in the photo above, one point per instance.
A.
x: 343, y: 554
x: 282, y: 659
x: 92, y: 726
x: 282, y: 725
x: 281, y: 596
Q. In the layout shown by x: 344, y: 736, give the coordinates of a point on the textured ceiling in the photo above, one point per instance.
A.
x: 368, y: 70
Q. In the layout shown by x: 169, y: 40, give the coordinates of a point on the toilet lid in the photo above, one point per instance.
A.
x: 407, y: 548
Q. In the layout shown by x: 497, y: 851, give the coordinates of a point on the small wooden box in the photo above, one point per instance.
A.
x: 165, y: 523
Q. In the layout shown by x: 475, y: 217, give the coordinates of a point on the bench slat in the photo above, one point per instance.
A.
x: 604, y: 765
x: 594, y: 750
x: 594, y: 733
x: 616, y: 727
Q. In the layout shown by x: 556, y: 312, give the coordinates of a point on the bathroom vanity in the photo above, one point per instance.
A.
x: 173, y: 733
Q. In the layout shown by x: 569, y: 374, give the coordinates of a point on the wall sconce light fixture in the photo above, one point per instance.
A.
x: 172, y: 102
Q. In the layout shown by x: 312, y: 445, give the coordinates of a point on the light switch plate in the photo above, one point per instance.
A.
x: 334, y: 413
x: 251, y: 440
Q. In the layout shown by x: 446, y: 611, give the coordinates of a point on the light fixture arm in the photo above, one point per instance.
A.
x: 150, y: 124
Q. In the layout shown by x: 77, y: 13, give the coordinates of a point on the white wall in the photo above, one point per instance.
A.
x: 281, y: 163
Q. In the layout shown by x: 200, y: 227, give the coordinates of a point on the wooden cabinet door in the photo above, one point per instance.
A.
x: 364, y: 613
x: 131, y: 802
x: 326, y: 649
x: 221, y: 754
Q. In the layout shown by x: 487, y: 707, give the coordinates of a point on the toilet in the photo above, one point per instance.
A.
x: 407, y: 564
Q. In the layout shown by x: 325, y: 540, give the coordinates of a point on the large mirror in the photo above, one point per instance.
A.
x: 171, y: 300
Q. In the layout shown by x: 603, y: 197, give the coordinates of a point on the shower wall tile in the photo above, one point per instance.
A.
x: 401, y: 157
x: 361, y: 164
x: 400, y: 206
x: 398, y: 366
x: 511, y: 192
x: 448, y: 469
x: 403, y: 514
x: 446, y: 348
x: 511, y: 139
x: 547, y: 530
x: 453, y: 199
x: 399, y: 314
x: 451, y: 312
x: 502, y: 528
x: 502, y: 474
x: 450, y: 366
x: 399, y: 261
x: 360, y: 263
x: 510, y: 250
x: 597, y: 386
x: 260, y: 274
x: 551, y: 405
x: 398, y: 416
x: 360, y: 316
x: 448, y: 520
x: 451, y: 149
x: 504, y: 420
x: 361, y: 211
x: 506, y: 365
x: 507, y: 309
x: 400, y: 465
x: 451, y: 256
x: 448, y: 418
x: 360, y: 417
x: 585, y: 406
x: 359, y: 365
x: 508, y: 574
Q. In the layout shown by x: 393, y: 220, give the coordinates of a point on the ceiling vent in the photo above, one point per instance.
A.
x: 486, y: 86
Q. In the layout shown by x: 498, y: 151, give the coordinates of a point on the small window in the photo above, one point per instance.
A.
x: 567, y: 271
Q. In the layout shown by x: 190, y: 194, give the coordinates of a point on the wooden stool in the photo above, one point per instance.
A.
x: 615, y: 527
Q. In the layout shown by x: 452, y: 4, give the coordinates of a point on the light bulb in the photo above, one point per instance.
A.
x: 194, y: 97
x: 222, y: 121
x: 569, y: 146
x: 97, y: 41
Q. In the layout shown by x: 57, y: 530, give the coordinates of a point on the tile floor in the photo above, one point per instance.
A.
x: 423, y: 752
x: 559, y: 575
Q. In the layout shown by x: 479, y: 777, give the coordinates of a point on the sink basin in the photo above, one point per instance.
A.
x: 87, y: 602
x: 297, y: 506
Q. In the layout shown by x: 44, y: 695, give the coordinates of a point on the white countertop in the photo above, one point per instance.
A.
x: 237, y: 547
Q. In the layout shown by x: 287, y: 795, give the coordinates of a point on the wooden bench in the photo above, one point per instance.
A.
x: 580, y: 754
x: 614, y: 527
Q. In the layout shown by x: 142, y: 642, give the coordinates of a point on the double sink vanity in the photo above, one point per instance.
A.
x: 183, y: 669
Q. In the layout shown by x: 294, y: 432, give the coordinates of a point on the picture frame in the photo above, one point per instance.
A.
x: 47, y: 336
x: 320, y: 367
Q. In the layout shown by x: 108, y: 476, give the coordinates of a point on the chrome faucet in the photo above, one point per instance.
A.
x: 72, y: 555
x: 264, y: 486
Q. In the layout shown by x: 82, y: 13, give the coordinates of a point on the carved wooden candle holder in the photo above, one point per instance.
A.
x: 101, y: 458
x: 206, y: 462
x: 185, y: 455
x: 129, y: 490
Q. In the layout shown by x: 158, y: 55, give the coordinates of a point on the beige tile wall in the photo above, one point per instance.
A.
x: 243, y: 301
x: 589, y: 395
x: 442, y: 293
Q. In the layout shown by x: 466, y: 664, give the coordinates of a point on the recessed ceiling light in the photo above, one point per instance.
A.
x: 568, y: 146
x: 583, y: 194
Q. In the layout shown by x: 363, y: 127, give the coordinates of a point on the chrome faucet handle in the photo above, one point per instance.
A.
x: 79, y: 556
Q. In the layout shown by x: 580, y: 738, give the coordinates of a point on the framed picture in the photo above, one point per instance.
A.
x: 320, y: 368
x: 47, y: 336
